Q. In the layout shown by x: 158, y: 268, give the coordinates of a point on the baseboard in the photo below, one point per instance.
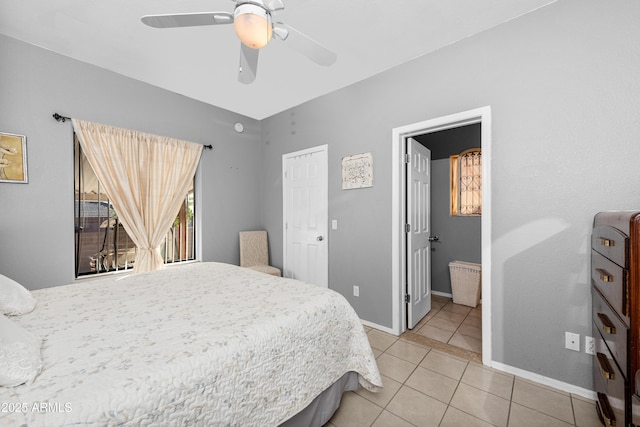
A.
x: 569, y: 388
x: 446, y: 295
x: 441, y: 294
x: 378, y: 327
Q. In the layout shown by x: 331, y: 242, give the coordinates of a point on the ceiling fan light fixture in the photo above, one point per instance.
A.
x: 253, y: 25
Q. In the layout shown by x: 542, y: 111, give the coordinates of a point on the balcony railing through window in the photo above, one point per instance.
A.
x: 101, y: 242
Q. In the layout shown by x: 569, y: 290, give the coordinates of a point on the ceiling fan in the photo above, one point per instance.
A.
x: 252, y: 20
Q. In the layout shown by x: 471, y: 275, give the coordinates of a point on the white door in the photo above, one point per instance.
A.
x: 305, y: 215
x: 418, y: 242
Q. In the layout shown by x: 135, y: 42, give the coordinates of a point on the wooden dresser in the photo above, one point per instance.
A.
x: 615, y: 279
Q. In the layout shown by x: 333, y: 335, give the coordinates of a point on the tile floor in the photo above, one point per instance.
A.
x: 430, y: 383
x: 454, y: 324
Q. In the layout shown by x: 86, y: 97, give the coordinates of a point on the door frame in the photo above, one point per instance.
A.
x: 324, y: 149
x: 398, y: 214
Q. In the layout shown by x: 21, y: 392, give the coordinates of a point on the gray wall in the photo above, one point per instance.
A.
x: 563, y: 87
x: 36, y: 219
x: 459, y: 236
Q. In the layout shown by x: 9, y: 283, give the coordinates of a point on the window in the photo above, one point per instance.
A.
x: 466, y: 183
x: 102, y: 244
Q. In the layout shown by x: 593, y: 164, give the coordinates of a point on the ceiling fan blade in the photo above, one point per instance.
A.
x: 273, y: 5
x: 188, y: 19
x: 248, y: 64
x: 304, y: 44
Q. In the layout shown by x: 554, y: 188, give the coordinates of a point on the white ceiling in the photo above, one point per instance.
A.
x: 369, y: 36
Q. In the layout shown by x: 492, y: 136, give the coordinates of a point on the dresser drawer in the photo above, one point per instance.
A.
x: 611, y: 281
x: 614, y: 332
x: 610, y: 414
x: 610, y: 385
x: 610, y: 242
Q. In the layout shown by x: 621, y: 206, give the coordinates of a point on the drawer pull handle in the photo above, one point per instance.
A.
x: 604, y: 275
x: 607, y: 324
x: 605, y: 410
x: 607, y: 242
x: 607, y: 371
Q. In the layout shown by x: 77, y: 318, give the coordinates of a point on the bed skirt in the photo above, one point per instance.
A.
x: 325, y: 405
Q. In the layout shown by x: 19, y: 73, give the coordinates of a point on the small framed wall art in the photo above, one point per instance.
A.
x: 357, y: 171
x: 13, y: 158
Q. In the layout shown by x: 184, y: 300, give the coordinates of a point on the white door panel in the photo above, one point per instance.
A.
x: 418, y: 243
x: 305, y: 215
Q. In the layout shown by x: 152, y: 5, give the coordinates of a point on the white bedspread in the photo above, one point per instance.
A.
x: 201, y: 344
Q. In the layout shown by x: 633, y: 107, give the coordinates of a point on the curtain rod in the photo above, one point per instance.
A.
x: 63, y: 119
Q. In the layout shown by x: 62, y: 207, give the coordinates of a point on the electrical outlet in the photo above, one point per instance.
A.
x: 356, y: 291
x: 589, y: 345
x: 572, y: 341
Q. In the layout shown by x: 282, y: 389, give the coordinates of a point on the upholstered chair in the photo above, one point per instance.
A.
x: 254, y: 252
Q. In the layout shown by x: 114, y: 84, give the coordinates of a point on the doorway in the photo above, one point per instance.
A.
x: 455, y: 237
x: 399, y: 253
x: 305, y: 214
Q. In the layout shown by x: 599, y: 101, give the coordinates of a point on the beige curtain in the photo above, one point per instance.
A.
x: 146, y: 178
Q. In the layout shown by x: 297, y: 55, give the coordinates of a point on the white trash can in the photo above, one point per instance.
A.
x: 466, y: 279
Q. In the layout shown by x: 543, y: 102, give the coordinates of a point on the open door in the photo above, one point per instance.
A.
x: 419, y: 232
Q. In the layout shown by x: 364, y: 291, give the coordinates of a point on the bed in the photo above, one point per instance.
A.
x: 206, y: 344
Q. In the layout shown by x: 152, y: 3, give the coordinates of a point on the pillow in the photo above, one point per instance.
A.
x: 20, y: 359
x: 14, y: 298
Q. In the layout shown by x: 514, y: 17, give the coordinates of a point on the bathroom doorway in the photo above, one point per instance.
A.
x: 480, y: 118
x: 454, y: 238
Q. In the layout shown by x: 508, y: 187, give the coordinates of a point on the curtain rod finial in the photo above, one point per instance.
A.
x: 210, y: 147
x: 60, y: 118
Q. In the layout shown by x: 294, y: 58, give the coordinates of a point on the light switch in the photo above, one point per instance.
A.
x: 334, y: 224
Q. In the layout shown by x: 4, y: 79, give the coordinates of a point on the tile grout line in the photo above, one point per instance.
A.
x: 439, y: 310
x: 453, y: 394
x: 403, y: 383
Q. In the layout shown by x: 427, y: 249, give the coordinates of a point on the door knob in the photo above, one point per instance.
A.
x: 319, y: 238
x: 433, y: 238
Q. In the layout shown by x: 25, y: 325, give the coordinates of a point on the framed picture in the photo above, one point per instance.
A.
x: 357, y: 171
x: 13, y: 158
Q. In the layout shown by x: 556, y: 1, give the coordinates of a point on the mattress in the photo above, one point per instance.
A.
x: 206, y: 344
